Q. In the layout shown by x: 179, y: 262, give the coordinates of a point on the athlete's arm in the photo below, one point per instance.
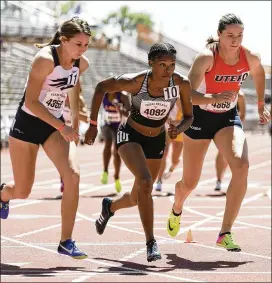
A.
x: 186, y: 104
x: 125, y: 99
x: 126, y: 82
x: 202, y: 64
x: 74, y: 94
x: 41, y: 67
x: 258, y: 75
x: 242, y: 105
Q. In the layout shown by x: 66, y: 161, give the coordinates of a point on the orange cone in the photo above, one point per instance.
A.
x: 189, y: 237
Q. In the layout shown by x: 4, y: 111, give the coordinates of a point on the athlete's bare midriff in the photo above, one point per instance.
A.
x: 146, y: 131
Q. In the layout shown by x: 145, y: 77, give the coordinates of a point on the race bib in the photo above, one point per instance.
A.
x: 171, y: 92
x: 112, y: 117
x: 220, y: 107
x: 154, y: 110
x: 54, y: 102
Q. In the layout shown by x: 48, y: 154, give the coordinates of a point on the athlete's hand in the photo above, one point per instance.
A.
x: 90, y: 135
x: 69, y: 134
x: 264, y: 115
x: 172, y: 131
x: 226, y: 96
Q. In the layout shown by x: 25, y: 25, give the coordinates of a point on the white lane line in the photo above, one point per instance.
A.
x: 199, y: 223
x: 220, y: 218
x: 132, y: 255
x: 104, y: 263
x: 25, y: 203
x: 41, y: 230
x: 31, y: 216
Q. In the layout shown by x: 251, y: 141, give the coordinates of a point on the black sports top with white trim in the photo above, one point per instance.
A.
x: 151, y: 111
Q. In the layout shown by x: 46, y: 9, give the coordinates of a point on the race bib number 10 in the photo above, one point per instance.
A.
x: 171, y: 92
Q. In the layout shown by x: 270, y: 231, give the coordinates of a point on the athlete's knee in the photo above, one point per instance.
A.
x: 187, y: 184
x: 145, y: 185
x: 240, y: 167
x: 72, y: 176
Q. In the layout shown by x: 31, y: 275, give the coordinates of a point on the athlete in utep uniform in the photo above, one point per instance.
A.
x: 141, y: 140
x: 115, y: 106
x: 217, y: 74
x: 39, y: 121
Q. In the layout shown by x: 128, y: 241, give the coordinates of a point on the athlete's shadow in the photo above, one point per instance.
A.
x: 101, y: 196
x: 173, y: 261
x: 11, y: 270
x: 182, y: 263
x: 132, y: 268
x: 213, y: 195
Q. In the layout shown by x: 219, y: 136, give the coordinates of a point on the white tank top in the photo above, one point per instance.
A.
x: 55, y: 87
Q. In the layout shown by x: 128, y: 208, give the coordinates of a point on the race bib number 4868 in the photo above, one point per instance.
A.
x: 154, y: 110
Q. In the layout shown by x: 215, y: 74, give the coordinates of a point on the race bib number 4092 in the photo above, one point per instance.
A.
x: 154, y: 110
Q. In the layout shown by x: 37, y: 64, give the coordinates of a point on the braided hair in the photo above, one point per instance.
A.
x: 161, y: 48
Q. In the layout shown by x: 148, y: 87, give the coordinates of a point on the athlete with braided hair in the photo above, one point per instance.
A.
x: 141, y: 140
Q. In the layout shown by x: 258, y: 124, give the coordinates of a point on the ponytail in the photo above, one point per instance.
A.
x: 211, y: 41
x: 54, y: 40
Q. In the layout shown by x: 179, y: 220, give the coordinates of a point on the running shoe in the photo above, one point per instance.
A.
x: 104, y: 217
x: 69, y: 248
x: 158, y: 186
x: 4, y: 206
x: 118, y: 186
x: 227, y: 241
x: 104, y: 178
x: 218, y: 186
x: 173, y: 224
x: 152, y: 250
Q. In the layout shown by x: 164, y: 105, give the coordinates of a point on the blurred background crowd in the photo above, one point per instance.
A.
x: 119, y: 44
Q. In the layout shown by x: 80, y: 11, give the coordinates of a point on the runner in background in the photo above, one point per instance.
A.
x: 174, y: 118
x: 116, y: 106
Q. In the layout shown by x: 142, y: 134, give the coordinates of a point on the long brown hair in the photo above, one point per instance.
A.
x: 68, y: 29
x: 228, y: 19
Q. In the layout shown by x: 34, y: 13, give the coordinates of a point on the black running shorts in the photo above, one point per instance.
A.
x: 153, y: 147
x: 206, y: 124
x: 28, y: 128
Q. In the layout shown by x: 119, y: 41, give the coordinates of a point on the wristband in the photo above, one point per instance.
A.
x: 261, y: 103
x: 61, y: 127
x: 94, y: 123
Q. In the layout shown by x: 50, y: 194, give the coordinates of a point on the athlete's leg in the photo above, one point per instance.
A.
x: 23, y: 157
x: 221, y: 165
x: 232, y: 144
x: 158, y: 186
x: 194, y: 152
x: 133, y: 156
x: 116, y: 156
x: 177, y: 147
x: 108, y: 139
x: 63, y: 155
x: 130, y: 199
